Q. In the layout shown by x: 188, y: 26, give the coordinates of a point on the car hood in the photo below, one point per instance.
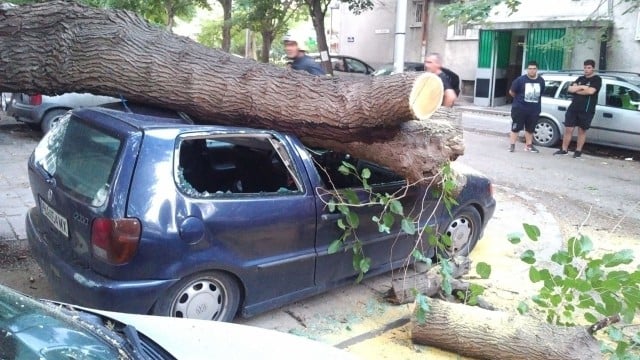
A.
x: 200, y: 339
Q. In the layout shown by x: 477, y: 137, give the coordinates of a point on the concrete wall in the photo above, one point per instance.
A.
x: 373, y: 33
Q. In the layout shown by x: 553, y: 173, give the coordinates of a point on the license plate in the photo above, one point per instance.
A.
x: 58, y: 221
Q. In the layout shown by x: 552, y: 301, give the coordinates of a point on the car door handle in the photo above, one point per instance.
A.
x: 562, y: 108
x: 331, y: 217
x: 607, y: 115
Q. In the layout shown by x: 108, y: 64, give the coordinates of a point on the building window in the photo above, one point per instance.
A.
x: 462, y: 31
x: 416, y: 19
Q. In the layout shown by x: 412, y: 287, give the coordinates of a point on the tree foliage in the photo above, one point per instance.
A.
x: 269, y: 18
x: 478, y: 11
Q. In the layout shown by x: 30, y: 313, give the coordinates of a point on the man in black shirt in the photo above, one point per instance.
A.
x: 582, y: 109
x: 433, y: 63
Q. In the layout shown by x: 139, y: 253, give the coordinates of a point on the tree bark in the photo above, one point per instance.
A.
x: 60, y: 46
x: 483, y: 334
x: 428, y: 283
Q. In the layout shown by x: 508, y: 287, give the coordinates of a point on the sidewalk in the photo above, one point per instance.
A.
x: 17, y: 141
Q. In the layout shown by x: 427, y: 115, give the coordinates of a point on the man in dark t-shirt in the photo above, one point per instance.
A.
x: 582, y: 109
x: 526, y: 91
x: 433, y: 63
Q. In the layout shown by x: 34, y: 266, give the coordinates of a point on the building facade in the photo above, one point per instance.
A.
x: 558, y: 34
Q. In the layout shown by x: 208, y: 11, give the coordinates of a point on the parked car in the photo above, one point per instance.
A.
x: 42, y: 111
x: 150, y: 215
x: 388, y: 69
x: 347, y: 65
x: 617, y: 118
x: 42, y: 329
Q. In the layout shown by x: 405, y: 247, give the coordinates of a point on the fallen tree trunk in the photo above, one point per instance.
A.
x: 59, y: 46
x: 484, y: 334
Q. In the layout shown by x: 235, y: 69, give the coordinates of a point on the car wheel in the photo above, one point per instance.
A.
x: 51, y: 119
x: 546, y: 133
x: 463, y: 230
x: 206, y: 296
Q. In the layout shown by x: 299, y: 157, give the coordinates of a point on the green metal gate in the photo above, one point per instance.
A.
x: 546, y: 46
x: 494, y: 50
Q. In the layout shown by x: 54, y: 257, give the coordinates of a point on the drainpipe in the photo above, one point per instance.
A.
x: 401, y: 28
x: 604, y: 38
x: 425, y: 28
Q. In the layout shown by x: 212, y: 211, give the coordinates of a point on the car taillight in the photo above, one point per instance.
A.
x: 115, y: 240
x: 35, y: 99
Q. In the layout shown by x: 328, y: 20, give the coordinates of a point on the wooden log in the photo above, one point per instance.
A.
x: 60, y: 46
x: 428, y: 283
x: 484, y: 334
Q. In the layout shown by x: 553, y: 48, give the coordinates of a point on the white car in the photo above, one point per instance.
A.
x: 617, y: 118
x: 43, y: 112
x: 40, y: 329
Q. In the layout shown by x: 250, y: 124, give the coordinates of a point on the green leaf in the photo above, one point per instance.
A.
x: 532, y: 231
x: 366, y: 173
x: 396, y: 207
x: 534, y: 275
x: 571, y: 271
x: 514, y: 238
x: 352, y: 197
x: 483, y: 269
x: 615, y: 334
x: 555, y: 300
x: 523, y: 308
x: 334, y: 246
x: 332, y: 206
x: 341, y: 224
x: 561, y: 258
x: 528, y: 257
x: 388, y: 220
x: 586, y: 301
x: 592, y: 319
x: 618, y: 258
x: 353, y: 220
x: 365, y: 264
x: 612, y: 306
x: 344, y: 170
x: 408, y: 226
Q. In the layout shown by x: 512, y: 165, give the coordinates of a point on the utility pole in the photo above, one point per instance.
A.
x: 401, y: 28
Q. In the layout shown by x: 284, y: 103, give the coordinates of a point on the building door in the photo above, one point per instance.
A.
x: 491, y: 85
x: 546, y: 46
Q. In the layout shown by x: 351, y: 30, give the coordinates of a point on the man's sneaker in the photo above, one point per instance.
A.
x: 531, y: 148
x: 561, y: 152
x: 512, y: 147
x: 577, y: 154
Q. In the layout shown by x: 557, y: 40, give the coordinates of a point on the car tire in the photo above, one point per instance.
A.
x: 546, y: 133
x: 51, y: 119
x: 212, y: 295
x: 464, y: 231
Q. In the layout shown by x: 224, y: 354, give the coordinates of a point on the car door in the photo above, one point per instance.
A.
x: 259, y: 214
x: 386, y: 250
x: 617, y: 119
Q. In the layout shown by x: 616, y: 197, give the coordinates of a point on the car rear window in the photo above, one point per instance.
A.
x: 80, y: 158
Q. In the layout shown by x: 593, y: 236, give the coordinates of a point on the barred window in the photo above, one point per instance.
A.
x: 418, y: 7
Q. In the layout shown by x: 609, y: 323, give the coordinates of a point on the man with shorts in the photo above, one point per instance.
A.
x: 525, y: 110
x: 583, y: 106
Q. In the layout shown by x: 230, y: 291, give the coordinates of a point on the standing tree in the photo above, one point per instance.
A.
x: 226, y: 25
x: 269, y: 18
x: 318, y: 11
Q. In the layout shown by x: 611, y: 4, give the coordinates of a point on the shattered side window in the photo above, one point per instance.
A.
x: 243, y: 164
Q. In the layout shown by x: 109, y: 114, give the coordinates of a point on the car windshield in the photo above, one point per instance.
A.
x: 30, y: 329
x: 80, y: 158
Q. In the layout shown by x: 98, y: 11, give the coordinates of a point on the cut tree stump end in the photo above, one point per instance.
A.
x: 426, y: 95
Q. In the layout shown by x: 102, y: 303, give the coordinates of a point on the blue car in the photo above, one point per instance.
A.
x: 152, y: 215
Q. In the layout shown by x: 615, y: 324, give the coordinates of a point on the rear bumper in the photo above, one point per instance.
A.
x: 23, y: 112
x: 81, y: 286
